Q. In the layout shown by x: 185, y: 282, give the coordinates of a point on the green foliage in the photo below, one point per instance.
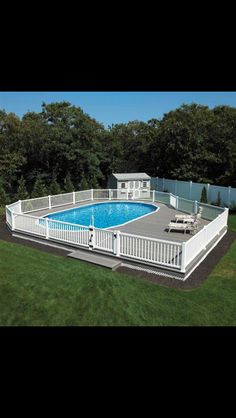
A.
x: 54, y: 187
x: 2, y: 213
x: 190, y: 142
x: 204, y: 195
x: 3, y: 196
x: 68, y: 185
x: 84, y: 184
x: 22, y: 193
x: 39, y: 189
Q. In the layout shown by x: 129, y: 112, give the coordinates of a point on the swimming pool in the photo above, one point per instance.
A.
x: 104, y: 215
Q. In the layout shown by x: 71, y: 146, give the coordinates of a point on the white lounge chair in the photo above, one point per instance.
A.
x: 189, y: 218
x: 176, y: 226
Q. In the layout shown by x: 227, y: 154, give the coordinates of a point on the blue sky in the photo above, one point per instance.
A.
x: 115, y: 107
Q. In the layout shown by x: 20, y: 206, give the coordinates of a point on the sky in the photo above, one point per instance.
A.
x: 115, y: 107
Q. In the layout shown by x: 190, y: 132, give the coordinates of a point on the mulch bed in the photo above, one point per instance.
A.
x: 194, y: 280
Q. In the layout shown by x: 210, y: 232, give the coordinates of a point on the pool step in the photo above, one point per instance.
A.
x: 94, y: 258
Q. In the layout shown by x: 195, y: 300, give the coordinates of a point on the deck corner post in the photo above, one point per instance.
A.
x: 73, y: 198
x: 47, y: 228
x: 183, y: 258
x: 12, y: 221
x: 177, y: 202
x: 91, y: 194
x: 49, y: 202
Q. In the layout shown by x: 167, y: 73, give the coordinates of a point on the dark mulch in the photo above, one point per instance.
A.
x: 194, y: 280
x: 197, y: 277
x: 6, y: 235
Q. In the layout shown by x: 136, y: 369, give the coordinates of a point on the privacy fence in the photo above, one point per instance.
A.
x: 193, y: 191
x: 175, y: 256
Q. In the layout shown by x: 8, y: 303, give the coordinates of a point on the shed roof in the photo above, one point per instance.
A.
x: 131, y: 176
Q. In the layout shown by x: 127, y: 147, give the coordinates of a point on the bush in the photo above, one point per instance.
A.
x: 204, y: 195
x: 22, y: 193
x: 2, y: 213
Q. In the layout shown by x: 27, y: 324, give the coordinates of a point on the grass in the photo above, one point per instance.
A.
x: 39, y: 289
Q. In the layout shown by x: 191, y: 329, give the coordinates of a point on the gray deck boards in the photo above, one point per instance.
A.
x: 153, y: 225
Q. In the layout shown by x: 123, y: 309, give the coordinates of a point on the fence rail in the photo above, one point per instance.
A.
x: 173, y: 255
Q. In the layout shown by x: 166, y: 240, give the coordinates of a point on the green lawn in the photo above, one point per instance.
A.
x: 37, y: 288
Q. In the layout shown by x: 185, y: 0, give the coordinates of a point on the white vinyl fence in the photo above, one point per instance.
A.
x: 167, y: 254
x: 191, y: 190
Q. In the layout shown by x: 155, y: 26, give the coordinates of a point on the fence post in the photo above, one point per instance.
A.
x: 190, y: 189
x: 73, y: 198
x: 47, y: 229
x: 229, y: 192
x: 177, y: 202
x: 195, y: 206
x: 117, y: 243
x: 20, y: 207
x: 109, y: 194
x: 153, y: 195
x: 91, y: 194
x: 12, y: 221
x: 91, y: 237
x: 49, y: 202
x: 183, y: 258
x: 208, y: 189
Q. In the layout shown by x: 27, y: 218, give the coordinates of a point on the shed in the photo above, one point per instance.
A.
x: 134, y: 185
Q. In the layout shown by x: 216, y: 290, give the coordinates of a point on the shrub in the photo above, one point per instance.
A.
x: 204, y: 195
x: 39, y: 189
x: 22, y: 193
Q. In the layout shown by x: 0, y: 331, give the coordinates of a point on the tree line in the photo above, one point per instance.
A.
x: 61, y: 148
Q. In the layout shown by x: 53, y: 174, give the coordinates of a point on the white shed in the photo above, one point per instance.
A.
x: 134, y: 184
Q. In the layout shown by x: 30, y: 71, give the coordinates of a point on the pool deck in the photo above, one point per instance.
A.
x: 153, y: 225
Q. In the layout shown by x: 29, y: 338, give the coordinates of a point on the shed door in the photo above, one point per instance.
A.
x: 131, y: 184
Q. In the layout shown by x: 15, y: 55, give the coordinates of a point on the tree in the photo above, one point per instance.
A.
x: 22, y: 193
x: 39, y: 189
x: 3, y: 195
x: 204, y: 195
x: 54, y: 187
x: 68, y: 185
x: 84, y: 184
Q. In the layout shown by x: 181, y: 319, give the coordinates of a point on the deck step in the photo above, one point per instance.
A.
x: 98, y: 259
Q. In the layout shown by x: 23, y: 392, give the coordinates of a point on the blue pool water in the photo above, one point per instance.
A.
x: 106, y: 215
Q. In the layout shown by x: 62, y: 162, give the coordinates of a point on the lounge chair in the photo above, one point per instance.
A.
x: 191, y: 227
x: 189, y: 218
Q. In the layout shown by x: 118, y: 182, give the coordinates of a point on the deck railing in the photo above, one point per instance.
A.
x: 167, y: 254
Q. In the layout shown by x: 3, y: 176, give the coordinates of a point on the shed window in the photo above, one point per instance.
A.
x: 144, y: 183
x: 123, y: 185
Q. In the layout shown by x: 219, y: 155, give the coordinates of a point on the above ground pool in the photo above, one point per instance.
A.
x: 105, y: 215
